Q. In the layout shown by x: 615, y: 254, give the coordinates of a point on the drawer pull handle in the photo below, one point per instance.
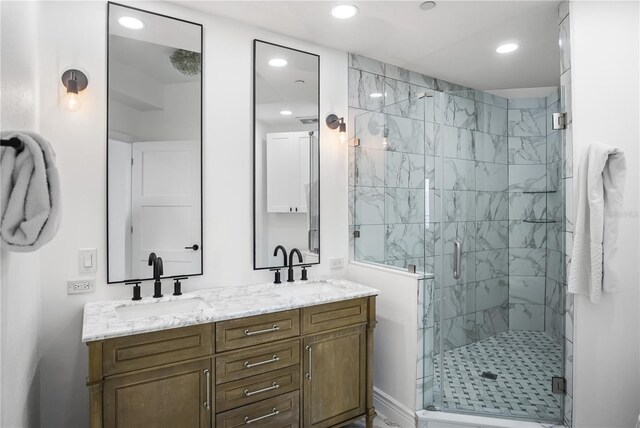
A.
x: 308, y: 375
x: 273, y: 359
x: 266, y: 330
x: 207, y: 404
x: 248, y: 393
x: 274, y: 412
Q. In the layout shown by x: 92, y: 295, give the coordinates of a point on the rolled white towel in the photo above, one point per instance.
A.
x: 29, y: 193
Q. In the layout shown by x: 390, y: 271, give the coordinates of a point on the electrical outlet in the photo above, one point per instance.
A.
x: 337, y: 262
x: 77, y: 286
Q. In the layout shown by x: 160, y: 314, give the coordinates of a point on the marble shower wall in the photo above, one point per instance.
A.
x: 529, y: 184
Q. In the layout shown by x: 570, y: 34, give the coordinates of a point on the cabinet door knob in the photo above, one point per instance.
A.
x: 194, y: 247
x: 290, y: 209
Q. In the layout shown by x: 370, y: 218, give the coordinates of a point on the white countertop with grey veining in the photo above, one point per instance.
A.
x: 101, y: 320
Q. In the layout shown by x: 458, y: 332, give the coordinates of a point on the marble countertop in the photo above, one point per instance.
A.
x: 101, y: 320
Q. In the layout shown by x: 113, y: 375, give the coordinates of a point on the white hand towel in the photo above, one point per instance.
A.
x: 600, y: 186
x: 29, y: 193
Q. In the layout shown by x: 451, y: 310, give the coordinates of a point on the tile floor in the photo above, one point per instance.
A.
x: 524, y: 361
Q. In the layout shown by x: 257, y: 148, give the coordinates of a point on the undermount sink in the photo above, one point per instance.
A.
x: 153, y: 309
x: 306, y: 290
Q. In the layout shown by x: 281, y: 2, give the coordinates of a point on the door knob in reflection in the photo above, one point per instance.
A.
x: 194, y: 247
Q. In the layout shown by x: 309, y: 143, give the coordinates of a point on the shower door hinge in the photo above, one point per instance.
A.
x: 356, y: 233
x: 558, y: 385
x: 559, y: 121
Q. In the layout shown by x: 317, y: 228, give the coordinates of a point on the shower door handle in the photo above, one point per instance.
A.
x: 457, y: 254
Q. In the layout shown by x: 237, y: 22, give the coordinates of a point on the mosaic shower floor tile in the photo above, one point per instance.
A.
x: 524, y: 362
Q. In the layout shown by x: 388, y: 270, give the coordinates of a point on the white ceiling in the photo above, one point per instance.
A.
x: 456, y: 41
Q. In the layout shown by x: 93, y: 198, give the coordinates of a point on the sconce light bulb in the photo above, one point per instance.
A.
x: 343, y: 137
x: 72, y: 101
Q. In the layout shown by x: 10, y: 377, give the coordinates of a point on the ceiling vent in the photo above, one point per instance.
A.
x: 308, y: 120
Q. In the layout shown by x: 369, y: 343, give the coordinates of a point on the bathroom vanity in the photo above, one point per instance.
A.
x: 267, y: 355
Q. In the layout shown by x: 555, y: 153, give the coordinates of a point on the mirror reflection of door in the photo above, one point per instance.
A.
x: 286, y: 151
x: 154, y: 146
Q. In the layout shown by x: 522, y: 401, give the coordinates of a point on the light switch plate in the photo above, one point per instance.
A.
x: 337, y: 262
x: 77, y: 286
x: 87, y: 260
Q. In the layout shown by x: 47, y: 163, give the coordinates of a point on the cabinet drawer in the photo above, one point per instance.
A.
x: 257, y: 360
x: 243, y: 332
x: 278, y: 412
x: 246, y: 391
x: 333, y: 315
x: 123, y: 354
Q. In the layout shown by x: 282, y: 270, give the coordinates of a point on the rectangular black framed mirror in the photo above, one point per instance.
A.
x: 154, y: 144
x: 286, y: 154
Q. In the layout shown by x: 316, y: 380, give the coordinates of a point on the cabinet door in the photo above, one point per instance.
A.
x: 334, y: 376
x: 170, y: 396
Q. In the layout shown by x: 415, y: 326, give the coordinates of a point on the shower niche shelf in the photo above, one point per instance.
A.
x: 541, y: 221
x: 539, y: 191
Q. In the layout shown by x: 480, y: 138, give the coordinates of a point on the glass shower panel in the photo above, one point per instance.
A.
x: 497, y: 337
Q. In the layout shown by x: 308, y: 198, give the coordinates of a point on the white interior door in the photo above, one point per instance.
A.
x: 282, y: 172
x: 166, y: 206
x: 304, y: 147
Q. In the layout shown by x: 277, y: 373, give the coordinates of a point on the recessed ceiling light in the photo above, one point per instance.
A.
x: 506, y: 48
x: 344, y: 11
x: 278, y: 62
x: 286, y: 113
x: 131, y: 23
x: 427, y: 5
x: 376, y: 95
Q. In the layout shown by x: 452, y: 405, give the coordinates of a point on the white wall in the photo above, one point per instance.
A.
x: 605, y: 66
x: 19, y: 273
x: 79, y: 139
x: 395, y: 341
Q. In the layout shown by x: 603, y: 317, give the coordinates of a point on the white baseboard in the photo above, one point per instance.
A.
x: 393, y: 410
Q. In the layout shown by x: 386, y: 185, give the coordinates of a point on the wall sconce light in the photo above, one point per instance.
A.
x: 335, y: 122
x: 75, y: 81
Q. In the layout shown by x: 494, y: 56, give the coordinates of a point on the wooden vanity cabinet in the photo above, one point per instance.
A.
x: 309, y: 367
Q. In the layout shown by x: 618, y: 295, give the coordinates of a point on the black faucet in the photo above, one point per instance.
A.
x: 290, y: 270
x: 158, y: 271
x: 284, y: 263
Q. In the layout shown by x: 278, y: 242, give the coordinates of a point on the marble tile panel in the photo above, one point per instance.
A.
x: 433, y: 139
x: 491, y: 293
x: 556, y: 205
x: 527, y: 150
x: 555, y: 295
x: 491, y: 177
x: 456, y: 300
x: 555, y: 265
x: 459, y: 174
x: 405, y: 170
x: 366, y: 64
x: 465, y: 232
x: 553, y: 176
x: 527, y: 235
x: 426, y: 305
x: 555, y: 236
x: 527, y: 289
x: 527, y: 122
x: 369, y: 246
x: 401, y: 99
x: 361, y: 86
x: 458, y: 205
x: 565, y: 46
x: 527, y: 103
x: 433, y: 172
x: 527, y: 206
x: 404, y: 241
x: 492, y: 235
x: 432, y: 239
x: 529, y: 178
x: 526, y: 317
x: 487, y: 98
x: 369, y: 128
x: 458, y: 143
x: 369, y: 205
x: 405, y: 134
x: 553, y: 324
x: 404, y: 205
x: 527, y: 261
x: 369, y: 169
x: 554, y: 146
x: 491, y: 264
x: 490, y: 148
x: 492, y: 321
x: 491, y: 119
x: 432, y: 206
x: 459, y: 112
x: 456, y: 332
x: 492, y: 206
